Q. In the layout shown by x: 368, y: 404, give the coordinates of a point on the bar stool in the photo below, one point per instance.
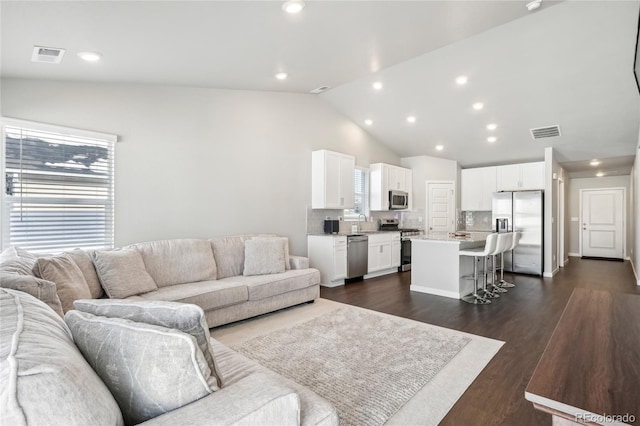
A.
x: 515, y: 240
x: 489, y: 246
x: 504, y: 242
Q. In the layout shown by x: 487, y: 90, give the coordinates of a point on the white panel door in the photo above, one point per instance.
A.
x: 440, y: 207
x: 603, y: 223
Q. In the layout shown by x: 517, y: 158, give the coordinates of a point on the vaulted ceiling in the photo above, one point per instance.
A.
x: 567, y: 63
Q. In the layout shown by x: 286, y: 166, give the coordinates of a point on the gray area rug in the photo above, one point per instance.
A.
x: 367, y: 365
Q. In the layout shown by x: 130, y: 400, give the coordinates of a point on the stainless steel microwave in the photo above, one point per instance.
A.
x: 398, y: 200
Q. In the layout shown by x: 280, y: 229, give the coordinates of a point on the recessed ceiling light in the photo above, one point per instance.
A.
x: 368, y: 122
x: 293, y: 6
x: 377, y: 85
x: 492, y: 126
x: 90, y: 56
x: 282, y: 76
x: 599, y: 174
x: 478, y: 106
x: 492, y: 139
x: 411, y: 119
x: 439, y: 147
x: 595, y: 162
x: 531, y: 6
x: 462, y: 80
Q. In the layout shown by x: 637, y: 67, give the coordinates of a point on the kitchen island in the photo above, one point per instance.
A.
x: 437, y: 267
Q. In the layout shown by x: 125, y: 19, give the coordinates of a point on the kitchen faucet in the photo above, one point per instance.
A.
x: 365, y: 219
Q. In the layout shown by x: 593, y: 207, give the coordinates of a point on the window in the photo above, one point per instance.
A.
x: 58, y: 188
x: 360, y: 195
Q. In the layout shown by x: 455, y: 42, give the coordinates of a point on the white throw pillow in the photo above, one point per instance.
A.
x: 149, y: 370
x: 264, y: 256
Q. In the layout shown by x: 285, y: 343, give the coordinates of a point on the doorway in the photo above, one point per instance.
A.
x: 603, y: 218
x: 440, y: 206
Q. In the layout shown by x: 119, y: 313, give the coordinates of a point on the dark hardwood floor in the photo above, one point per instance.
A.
x: 524, y: 318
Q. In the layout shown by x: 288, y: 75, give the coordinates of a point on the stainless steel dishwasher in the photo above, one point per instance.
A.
x: 357, y: 255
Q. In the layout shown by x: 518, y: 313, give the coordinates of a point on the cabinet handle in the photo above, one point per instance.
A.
x: 381, y: 249
x: 342, y: 201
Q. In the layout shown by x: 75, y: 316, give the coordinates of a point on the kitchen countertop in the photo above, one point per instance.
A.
x: 474, y: 237
x: 357, y: 233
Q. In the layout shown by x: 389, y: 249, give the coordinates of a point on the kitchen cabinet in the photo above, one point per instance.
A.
x: 332, y: 175
x: 384, y: 251
x: 477, y: 187
x: 328, y: 254
x: 520, y: 177
x: 384, y: 178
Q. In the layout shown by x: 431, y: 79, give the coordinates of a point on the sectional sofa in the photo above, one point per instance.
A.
x: 104, y: 365
x: 230, y: 278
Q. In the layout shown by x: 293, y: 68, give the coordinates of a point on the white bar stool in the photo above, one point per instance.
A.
x: 504, y: 242
x: 489, y: 246
x: 515, y: 240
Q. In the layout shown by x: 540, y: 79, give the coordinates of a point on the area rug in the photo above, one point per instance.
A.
x: 374, y: 368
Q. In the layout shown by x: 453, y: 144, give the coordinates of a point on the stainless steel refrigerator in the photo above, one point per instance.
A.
x: 524, y: 212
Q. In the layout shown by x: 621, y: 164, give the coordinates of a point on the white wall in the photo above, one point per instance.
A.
x: 636, y: 211
x: 428, y: 168
x: 197, y: 162
x: 573, y: 205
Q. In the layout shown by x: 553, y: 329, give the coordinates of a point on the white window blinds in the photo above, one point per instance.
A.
x: 360, y: 195
x: 58, y: 189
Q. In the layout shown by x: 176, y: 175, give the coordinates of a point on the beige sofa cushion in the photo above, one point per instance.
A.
x: 180, y: 261
x: 149, y: 369
x: 122, y: 273
x: 185, y: 317
x: 82, y: 258
x: 264, y: 286
x: 69, y: 280
x: 264, y: 256
x: 40, y: 289
x: 45, y: 379
x: 229, y: 254
x: 206, y: 294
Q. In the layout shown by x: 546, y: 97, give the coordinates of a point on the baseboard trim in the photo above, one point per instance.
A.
x: 434, y: 291
x: 574, y: 254
x: 551, y: 274
x: 633, y: 268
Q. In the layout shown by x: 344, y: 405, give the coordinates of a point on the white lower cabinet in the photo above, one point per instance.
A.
x: 328, y: 254
x: 384, y: 251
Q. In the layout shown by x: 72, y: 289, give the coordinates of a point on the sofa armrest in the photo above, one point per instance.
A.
x: 258, y: 399
x: 299, y: 262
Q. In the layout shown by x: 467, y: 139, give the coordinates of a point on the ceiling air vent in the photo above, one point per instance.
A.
x: 320, y: 90
x: 48, y: 55
x: 545, y: 132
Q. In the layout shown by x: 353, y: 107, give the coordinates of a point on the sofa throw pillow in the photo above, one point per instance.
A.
x: 69, y: 280
x: 40, y: 289
x: 263, y: 256
x: 82, y: 258
x: 16, y: 260
x: 45, y: 378
x: 122, y: 273
x: 185, y: 317
x: 149, y: 370
x: 287, y: 257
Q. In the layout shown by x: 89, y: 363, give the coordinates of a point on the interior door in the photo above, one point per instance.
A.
x: 603, y: 223
x: 440, y: 207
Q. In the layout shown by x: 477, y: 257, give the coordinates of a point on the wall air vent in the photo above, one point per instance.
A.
x: 545, y: 132
x: 320, y: 90
x: 48, y: 55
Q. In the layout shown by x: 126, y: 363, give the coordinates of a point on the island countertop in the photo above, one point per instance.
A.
x: 473, y: 240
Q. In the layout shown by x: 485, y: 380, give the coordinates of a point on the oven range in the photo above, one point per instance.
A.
x: 405, y: 238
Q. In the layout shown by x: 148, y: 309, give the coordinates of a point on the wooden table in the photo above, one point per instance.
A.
x: 591, y: 366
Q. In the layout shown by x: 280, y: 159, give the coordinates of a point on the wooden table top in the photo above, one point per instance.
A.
x: 591, y: 364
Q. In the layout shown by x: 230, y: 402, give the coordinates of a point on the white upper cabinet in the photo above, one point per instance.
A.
x: 385, y: 178
x: 520, y: 177
x: 476, y: 188
x: 332, y: 175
